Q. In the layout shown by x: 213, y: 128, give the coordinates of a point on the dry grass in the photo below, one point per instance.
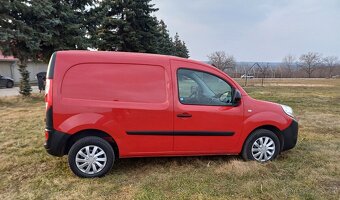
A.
x: 309, y: 171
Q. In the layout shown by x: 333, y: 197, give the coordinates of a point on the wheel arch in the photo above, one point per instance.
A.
x: 91, y: 132
x: 272, y: 128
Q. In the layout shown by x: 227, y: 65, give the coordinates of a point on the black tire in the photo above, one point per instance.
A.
x: 247, y: 147
x: 9, y: 84
x: 91, y: 141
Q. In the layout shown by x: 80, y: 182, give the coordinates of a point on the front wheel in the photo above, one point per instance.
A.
x: 91, y: 157
x: 262, y: 145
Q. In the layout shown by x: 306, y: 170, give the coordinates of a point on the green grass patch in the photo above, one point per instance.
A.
x: 309, y: 171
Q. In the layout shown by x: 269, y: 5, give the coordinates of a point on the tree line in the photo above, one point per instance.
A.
x: 312, y: 64
x: 33, y: 30
x: 308, y: 65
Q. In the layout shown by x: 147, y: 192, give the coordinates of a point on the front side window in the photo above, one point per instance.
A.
x: 200, y: 88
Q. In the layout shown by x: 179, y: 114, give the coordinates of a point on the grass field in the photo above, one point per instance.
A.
x: 309, y: 171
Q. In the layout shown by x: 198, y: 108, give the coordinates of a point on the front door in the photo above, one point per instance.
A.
x: 205, y: 121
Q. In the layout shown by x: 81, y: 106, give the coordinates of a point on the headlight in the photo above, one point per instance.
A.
x: 288, y: 110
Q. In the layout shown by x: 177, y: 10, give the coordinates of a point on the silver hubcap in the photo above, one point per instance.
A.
x: 263, y: 149
x: 91, y: 159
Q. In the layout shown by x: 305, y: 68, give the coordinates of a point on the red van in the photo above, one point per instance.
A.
x: 101, y: 106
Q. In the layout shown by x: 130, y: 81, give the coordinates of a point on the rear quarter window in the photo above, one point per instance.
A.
x: 115, y: 82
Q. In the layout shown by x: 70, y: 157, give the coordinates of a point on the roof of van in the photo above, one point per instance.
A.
x: 120, y: 53
x: 87, y: 55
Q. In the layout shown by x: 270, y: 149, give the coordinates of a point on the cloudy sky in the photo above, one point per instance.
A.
x: 254, y: 30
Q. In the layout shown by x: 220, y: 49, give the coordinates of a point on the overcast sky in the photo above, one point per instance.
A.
x: 254, y: 30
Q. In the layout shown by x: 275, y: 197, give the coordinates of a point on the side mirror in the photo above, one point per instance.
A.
x: 237, y: 97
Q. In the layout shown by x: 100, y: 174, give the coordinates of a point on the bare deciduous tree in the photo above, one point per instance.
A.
x: 289, y: 63
x: 309, y: 62
x: 330, y: 62
x: 222, y: 61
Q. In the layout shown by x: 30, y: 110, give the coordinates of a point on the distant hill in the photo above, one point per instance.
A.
x: 243, y: 63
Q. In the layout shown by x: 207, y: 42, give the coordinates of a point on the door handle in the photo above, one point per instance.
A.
x: 184, y: 115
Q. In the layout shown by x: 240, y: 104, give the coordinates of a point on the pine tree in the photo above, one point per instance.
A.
x: 165, y: 44
x: 33, y: 30
x: 66, y: 24
x: 24, y: 87
x: 185, y: 51
x: 143, y: 24
x: 177, y: 45
x: 22, y: 30
x: 102, y: 25
x: 126, y: 25
x: 180, y: 48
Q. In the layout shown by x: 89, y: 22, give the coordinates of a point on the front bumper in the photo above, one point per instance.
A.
x: 290, y: 136
x: 56, y: 142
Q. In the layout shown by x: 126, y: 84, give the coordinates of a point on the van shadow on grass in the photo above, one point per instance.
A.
x: 127, y: 165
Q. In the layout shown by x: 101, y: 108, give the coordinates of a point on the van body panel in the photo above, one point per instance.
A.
x: 260, y: 113
x: 128, y: 83
x: 88, y: 97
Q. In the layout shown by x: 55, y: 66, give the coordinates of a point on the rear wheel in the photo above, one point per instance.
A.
x: 91, y: 157
x: 9, y: 84
x: 262, y: 145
